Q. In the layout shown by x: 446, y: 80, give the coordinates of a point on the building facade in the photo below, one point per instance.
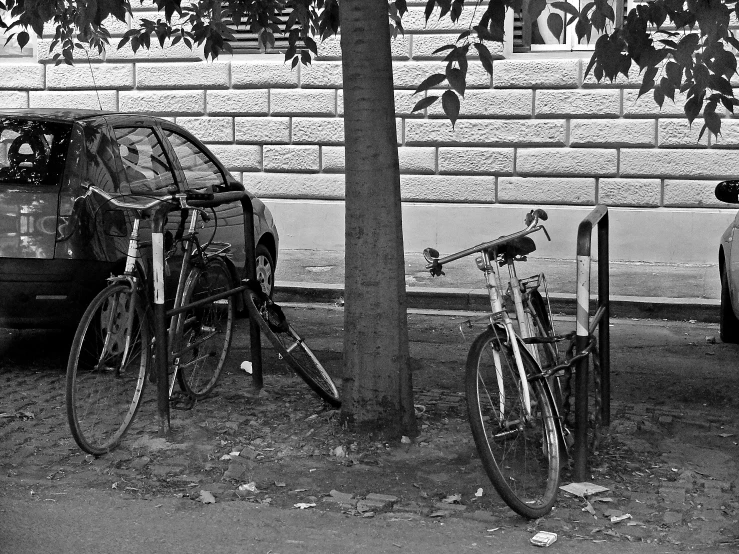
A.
x: 539, y: 133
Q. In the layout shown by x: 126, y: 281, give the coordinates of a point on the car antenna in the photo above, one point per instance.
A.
x: 94, y: 84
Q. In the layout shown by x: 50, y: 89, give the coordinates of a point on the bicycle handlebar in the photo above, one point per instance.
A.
x: 532, y: 225
x: 146, y: 201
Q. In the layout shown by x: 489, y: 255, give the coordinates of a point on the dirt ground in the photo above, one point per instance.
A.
x: 669, y: 460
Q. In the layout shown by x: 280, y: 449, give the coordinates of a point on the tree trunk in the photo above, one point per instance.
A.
x: 377, y: 392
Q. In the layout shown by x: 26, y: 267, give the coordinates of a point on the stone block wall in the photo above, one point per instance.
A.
x: 538, y: 132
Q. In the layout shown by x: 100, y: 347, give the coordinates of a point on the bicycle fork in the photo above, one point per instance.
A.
x: 120, y: 318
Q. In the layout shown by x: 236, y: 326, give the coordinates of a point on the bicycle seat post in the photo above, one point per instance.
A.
x: 160, y: 319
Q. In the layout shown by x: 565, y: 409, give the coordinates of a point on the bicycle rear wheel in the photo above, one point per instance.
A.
x: 292, y: 347
x: 203, y: 334
x: 106, y: 371
x: 520, y: 453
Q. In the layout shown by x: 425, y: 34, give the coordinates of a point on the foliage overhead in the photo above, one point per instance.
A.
x: 683, y: 49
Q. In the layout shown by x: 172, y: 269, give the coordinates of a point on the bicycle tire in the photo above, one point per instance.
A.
x: 292, y: 348
x: 203, y: 334
x: 521, y: 457
x: 105, y: 382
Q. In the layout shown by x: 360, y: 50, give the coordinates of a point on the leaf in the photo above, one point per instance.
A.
x: 659, y: 96
x: 693, y: 107
x: 22, y: 39
x: 674, y: 73
x: 450, y: 103
x: 457, y: 80
x: 443, y: 48
x: 429, y: 9
x: 713, y: 121
x: 648, y: 80
x: 486, y: 58
x: 555, y: 24
x: 719, y: 84
x: 432, y: 81
x: 424, y: 103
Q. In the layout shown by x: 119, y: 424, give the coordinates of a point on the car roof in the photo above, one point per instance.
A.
x: 66, y: 114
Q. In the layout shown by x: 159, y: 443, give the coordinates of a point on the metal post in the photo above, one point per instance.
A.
x: 598, y: 216
x: 581, y: 371
x: 604, y: 332
x: 161, y: 356
x: 250, y: 268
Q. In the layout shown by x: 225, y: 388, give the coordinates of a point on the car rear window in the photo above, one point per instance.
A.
x: 32, y: 152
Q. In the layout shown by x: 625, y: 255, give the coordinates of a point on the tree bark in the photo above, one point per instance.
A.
x: 377, y: 391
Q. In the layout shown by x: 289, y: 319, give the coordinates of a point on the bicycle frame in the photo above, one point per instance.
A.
x: 501, y: 314
x: 495, y: 287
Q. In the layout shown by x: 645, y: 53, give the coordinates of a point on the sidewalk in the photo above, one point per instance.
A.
x: 670, y: 461
x: 657, y: 291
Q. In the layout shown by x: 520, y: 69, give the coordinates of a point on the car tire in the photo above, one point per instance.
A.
x: 265, y: 269
x: 728, y: 322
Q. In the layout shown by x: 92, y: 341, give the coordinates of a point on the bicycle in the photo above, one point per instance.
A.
x: 519, y: 430
x: 113, y: 350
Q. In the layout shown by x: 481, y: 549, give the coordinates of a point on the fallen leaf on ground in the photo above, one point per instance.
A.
x: 452, y: 499
x: 583, y: 489
x: 251, y: 487
x: 304, y: 505
x: 206, y: 497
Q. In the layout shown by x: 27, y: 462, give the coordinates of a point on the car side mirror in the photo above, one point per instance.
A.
x: 728, y: 191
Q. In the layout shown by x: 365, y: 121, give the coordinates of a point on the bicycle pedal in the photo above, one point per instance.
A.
x: 181, y: 401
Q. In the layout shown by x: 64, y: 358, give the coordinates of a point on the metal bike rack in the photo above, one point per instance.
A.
x: 161, y: 314
x: 598, y: 216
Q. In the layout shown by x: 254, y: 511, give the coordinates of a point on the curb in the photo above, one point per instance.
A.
x: 705, y: 310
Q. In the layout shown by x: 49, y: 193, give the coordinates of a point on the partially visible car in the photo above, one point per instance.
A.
x: 57, y: 244
x: 728, y: 263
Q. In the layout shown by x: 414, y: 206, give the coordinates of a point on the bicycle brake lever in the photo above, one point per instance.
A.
x: 546, y: 233
x: 435, y: 269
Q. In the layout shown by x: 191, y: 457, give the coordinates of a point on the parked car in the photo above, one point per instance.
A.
x: 57, y: 245
x: 728, y: 264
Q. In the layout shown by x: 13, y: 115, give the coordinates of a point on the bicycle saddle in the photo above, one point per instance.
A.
x: 517, y: 247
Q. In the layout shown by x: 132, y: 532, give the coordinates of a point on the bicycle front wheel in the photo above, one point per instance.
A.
x: 292, y: 347
x: 203, y: 334
x: 520, y: 452
x: 106, y: 371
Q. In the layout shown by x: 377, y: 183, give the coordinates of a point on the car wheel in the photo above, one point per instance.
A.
x: 728, y: 322
x: 265, y: 269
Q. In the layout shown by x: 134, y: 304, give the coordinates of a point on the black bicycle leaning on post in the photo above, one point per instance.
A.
x: 517, y: 384
x: 113, y: 353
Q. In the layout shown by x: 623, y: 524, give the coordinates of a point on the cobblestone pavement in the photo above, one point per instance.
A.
x: 671, y: 467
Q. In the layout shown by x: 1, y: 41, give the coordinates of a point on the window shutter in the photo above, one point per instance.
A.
x: 246, y: 42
